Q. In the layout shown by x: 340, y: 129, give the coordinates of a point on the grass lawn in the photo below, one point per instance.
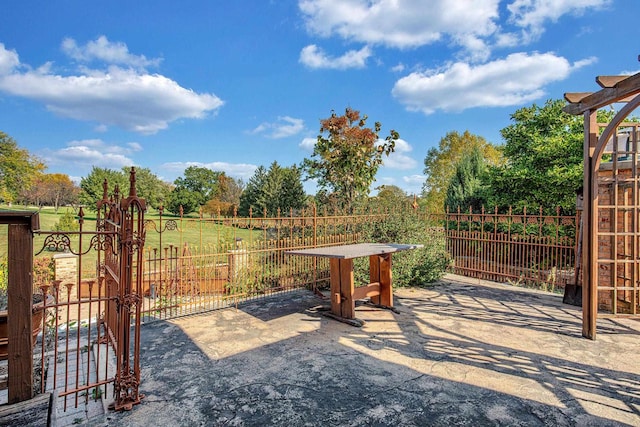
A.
x: 197, y: 234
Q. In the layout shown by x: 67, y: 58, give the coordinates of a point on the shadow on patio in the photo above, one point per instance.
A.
x: 461, y: 353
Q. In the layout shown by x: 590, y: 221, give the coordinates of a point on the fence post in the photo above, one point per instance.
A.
x: 20, y: 301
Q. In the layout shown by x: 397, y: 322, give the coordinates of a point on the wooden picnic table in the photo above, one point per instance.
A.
x: 343, y: 291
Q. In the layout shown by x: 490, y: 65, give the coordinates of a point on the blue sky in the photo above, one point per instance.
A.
x: 232, y: 85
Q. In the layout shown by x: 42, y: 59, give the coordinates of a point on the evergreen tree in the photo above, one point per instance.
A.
x: 466, y: 188
x: 440, y: 164
x: 273, y: 189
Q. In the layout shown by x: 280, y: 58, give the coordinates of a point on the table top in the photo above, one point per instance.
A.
x: 354, y: 251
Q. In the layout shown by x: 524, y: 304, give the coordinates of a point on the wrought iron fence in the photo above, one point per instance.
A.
x: 219, y: 261
x: 531, y: 249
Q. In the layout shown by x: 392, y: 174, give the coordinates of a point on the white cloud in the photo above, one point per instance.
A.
x: 284, y: 127
x: 399, y: 158
x: 473, y: 25
x: 531, y: 15
x: 243, y: 171
x: 413, y: 183
x: 414, y: 179
x: 308, y: 144
x: 126, y: 98
x: 83, y: 154
x: 314, y: 57
x: 110, y: 52
x: 516, y: 79
x: 395, y: 23
x: 402, y: 23
x: 398, y: 68
x: 9, y: 60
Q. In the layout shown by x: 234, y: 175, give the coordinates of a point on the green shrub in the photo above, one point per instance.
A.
x: 410, y: 268
x: 67, y: 222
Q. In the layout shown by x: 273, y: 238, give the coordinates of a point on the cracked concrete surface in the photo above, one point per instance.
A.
x: 462, y: 352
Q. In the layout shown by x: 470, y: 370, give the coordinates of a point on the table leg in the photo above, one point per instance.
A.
x: 380, y: 271
x: 342, y: 286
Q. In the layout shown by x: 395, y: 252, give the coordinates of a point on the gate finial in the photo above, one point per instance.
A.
x: 132, y: 183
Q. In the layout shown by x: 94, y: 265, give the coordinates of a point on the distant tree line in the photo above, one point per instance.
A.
x: 539, y: 164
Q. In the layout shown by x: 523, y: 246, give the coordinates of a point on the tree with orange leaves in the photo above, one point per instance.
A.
x: 347, y: 155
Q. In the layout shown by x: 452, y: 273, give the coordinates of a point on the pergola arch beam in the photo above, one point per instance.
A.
x: 623, y: 88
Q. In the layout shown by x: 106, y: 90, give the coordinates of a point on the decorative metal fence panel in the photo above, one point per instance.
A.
x: 526, y: 249
x: 220, y: 261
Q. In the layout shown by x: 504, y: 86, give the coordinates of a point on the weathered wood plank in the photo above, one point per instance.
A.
x: 20, y: 301
x: 386, y: 291
x: 346, y: 285
x: 374, y: 276
x: 354, y: 251
x: 574, y: 97
x: 35, y: 412
x: 336, y: 299
x: 609, y: 81
x: 367, y: 291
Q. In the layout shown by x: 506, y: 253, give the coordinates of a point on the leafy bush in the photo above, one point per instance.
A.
x: 410, y: 268
x: 67, y: 222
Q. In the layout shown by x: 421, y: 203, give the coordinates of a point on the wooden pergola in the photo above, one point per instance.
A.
x: 611, y: 215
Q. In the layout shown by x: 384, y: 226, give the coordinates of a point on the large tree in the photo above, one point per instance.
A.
x: 204, y: 182
x: 347, y: 156
x: 196, y: 187
x: 440, y: 164
x: 273, y: 189
x: 149, y: 187
x: 230, y: 189
x: 18, y: 169
x: 53, y: 189
x: 390, y: 196
x: 91, y: 186
x: 543, y: 148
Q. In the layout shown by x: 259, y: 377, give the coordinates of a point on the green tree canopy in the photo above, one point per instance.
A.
x: 543, y: 148
x: 347, y: 156
x: 91, y: 186
x: 390, y: 196
x: 273, y: 189
x: 203, y: 182
x: 149, y: 187
x: 440, y: 164
x: 18, y: 169
x: 183, y: 197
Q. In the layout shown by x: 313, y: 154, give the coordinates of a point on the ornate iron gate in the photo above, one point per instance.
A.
x: 94, y: 317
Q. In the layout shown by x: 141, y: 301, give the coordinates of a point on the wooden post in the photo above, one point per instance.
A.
x: 20, y: 302
x: 336, y: 299
x: 386, y: 291
x: 589, y: 215
x: 346, y: 286
x: 374, y: 275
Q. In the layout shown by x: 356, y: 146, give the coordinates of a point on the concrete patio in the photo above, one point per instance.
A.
x: 463, y: 352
